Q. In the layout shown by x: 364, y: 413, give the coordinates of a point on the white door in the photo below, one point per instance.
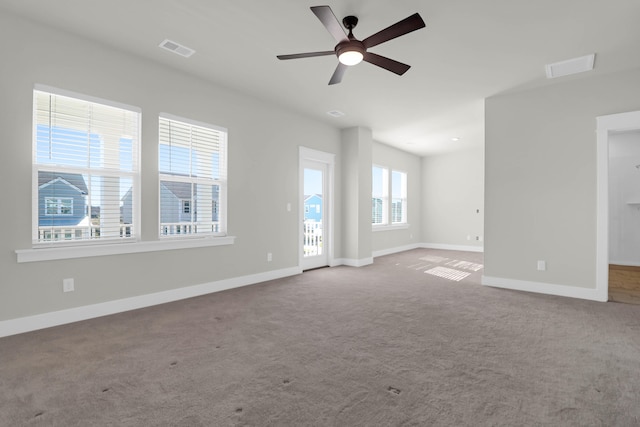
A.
x: 316, y: 208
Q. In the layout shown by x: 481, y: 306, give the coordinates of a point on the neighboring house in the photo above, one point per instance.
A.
x: 376, y: 210
x: 176, y: 203
x: 313, y: 207
x: 126, y: 210
x: 396, y: 212
x: 62, y: 199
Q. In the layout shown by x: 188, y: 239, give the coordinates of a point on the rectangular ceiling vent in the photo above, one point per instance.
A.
x: 335, y: 113
x: 177, y: 48
x: 570, y: 66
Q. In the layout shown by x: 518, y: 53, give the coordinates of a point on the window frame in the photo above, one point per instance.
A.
x: 403, y: 196
x: 134, y: 174
x: 45, y: 251
x: 387, y: 200
x: 220, y: 182
x: 384, y: 197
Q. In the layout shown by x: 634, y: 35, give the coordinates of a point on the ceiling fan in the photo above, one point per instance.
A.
x: 351, y: 51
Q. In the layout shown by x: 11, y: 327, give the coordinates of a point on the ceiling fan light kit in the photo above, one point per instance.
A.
x: 351, y: 51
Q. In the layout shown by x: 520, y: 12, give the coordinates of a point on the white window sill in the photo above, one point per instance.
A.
x: 388, y: 227
x: 49, y: 254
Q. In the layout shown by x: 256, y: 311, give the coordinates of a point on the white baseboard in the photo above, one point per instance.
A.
x: 452, y: 247
x: 395, y: 250
x: 55, y: 318
x: 351, y: 262
x: 546, y: 288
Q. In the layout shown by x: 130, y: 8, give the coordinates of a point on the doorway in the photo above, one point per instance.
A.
x: 316, y: 180
x: 616, y: 267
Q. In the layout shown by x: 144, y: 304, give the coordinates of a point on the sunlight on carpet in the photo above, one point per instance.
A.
x: 448, y: 273
x: 465, y: 265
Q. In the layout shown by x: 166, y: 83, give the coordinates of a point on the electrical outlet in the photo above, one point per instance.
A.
x: 542, y: 265
x: 68, y: 285
x: 269, y: 257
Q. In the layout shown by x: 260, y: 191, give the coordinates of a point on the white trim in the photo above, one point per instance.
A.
x: 395, y: 250
x: 606, y: 125
x: 192, y: 122
x: 58, y: 179
x: 350, y: 262
x: 388, y: 227
x: 452, y: 247
x: 55, y: 318
x: 318, y: 156
x: 84, y: 251
x: 69, y: 94
x: 544, y: 288
x: 328, y: 159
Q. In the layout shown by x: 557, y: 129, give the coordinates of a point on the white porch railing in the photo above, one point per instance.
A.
x: 312, y: 242
x: 76, y: 232
x: 179, y: 228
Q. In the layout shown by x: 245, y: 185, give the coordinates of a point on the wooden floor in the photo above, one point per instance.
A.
x: 624, y: 284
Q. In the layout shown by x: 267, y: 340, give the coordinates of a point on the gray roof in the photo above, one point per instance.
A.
x: 75, y: 179
x: 182, y: 190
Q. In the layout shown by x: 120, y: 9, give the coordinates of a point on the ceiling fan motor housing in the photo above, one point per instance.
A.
x: 350, y: 46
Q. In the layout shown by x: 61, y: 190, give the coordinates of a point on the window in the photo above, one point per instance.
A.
x: 193, y: 177
x: 86, y: 167
x: 381, y: 210
x: 398, y: 197
x: 57, y: 206
x: 380, y: 195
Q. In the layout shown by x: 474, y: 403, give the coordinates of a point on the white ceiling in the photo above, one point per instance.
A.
x: 469, y: 50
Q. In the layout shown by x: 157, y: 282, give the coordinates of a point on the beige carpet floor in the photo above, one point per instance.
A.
x: 412, y: 340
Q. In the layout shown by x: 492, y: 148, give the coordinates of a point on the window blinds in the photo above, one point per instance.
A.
x: 192, y: 159
x: 86, y: 164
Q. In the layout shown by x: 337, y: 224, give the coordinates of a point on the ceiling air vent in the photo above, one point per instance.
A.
x: 335, y: 113
x: 177, y: 48
x: 570, y: 66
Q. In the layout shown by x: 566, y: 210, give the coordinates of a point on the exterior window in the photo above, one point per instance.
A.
x: 398, y: 197
x: 383, y: 212
x: 380, y: 196
x: 56, y: 206
x: 86, y: 164
x: 193, y: 177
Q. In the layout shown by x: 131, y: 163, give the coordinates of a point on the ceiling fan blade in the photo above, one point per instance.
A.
x: 307, y: 55
x: 330, y: 22
x: 388, y: 64
x: 400, y: 28
x: 338, y: 73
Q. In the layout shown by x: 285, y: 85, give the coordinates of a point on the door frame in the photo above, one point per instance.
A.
x: 328, y: 159
x: 605, y: 126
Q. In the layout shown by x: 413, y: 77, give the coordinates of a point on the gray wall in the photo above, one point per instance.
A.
x: 395, y: 159
x: 540, y: 182
x: 263, y: 159
x: 452, y: 195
